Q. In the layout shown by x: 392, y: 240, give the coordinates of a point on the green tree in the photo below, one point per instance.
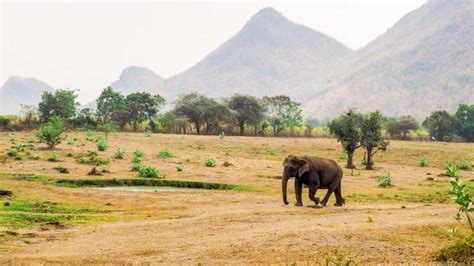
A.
x: 51, y: 132
x: 441, y: 125
x: 172, y: 123
x: 142, y: 106
x: 110, y: 105
x: 195, y: 107
x: 346, y: 128
x: 371, y: 136
x: 401, y: 127
x: 247, y: 109
x: 282, y: 112
x: 60, y: 103
x: 215, y: 114
x: 465, y: 117
x: 86, y: 119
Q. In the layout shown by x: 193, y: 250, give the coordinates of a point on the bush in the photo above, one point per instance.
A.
x: 343, y: 156
x: 460, y: 251
x: 164, y: 153
x: 385, y: 180
x: 451, y: 170
x: 102, y: 144
x: 62, y: 170
x: 222, y: 135
x: 423, y: 161
x: 137, y: 156
x: 53, y: 156
x: 210, y: 162
x: 148, y: 171
x: 51, y: 132
x: 464, y: 165
x: 363, y: 161
x: 12, y: 153
x: 136, y: 166
x: 105, y: 169
x: 70, y: 141
x: 120, y: 153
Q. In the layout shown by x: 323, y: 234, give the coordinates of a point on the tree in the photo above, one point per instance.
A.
x: 142, y: 106
x: 248, y: 110
x: 60, y: 103
x: 346, y: 128
x: 195, y: 107
x: 441, y: 125
x: 215, y: 114
x: 50, y: 132
x: 371, y: 136
x: 30, y: 116
x: 401, y: 127
x: 282, y: 112
x: 109, y: 105
x: 172, y: 123
x: 86, y: 119
x: 465, y: 117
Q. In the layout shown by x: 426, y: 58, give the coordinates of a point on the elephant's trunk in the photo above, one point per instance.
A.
x: 284, y: 184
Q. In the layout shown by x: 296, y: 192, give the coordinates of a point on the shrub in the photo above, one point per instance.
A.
x: 136, y: 166
x: 119, y: 153
x: 385, y: 180
x: 423, y: 161
x: 270, y: 152
x: 70, y: 141
x: 462, y: 197
x: 12, y: 153
x: 51, y: 132
x: 363, y: 161
x: 137, y: 156
x: 451, y: 170
x: 12, y: 136
x: 464, y: 165
x: 210, y: 162
x: 164, y: 153
x: 89, y: 136
x: 222, y: 135
x: 343, y: 156
x: 179, y: 169
x: 105, y: 169
x: 148, y: 171
x: 102, y: 144
x: 62, y: 170
x: 53, y: 156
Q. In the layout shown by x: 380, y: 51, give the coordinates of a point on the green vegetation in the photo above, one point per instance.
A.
x: 164, y: 153
x: 371, y: 136
x: 210, y: 162
x: 400, y: 127
x: 179, y: 168
x: 53, y: 156
x: 423, y: 161
x: 462, y: 197
x: 461, y: 251
x: 75, y: 182
x: 464, y: 165
x: 385, y: 180
x: 102, y: 144
x: 62, y: 170
x: 149, y: 171
x: 51, y: 132
x: 119, y: 153
x: 92, y: 158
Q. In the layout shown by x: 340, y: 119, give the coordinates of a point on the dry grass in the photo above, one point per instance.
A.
x: 247, y: 227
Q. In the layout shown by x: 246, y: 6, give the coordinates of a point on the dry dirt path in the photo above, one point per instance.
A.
x: 247, y: 232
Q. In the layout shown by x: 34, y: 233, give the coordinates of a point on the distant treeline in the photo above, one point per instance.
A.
x: 195, y: 113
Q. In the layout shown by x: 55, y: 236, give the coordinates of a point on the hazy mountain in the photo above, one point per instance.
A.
x: 20, y: 90
x: 425, y: 62
x: 136, y: 79
x: 269, y: 55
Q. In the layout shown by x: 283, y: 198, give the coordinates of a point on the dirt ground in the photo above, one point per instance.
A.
x: 407, y: 222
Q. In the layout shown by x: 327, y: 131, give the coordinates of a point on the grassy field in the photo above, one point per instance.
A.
x: 229, y: 212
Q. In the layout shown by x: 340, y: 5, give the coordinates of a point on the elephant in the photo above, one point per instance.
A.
x: 315, y: 172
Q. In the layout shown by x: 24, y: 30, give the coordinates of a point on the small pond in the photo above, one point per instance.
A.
x: 148, y: 188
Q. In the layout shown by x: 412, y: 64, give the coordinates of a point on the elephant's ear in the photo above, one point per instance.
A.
x: 304, y: 167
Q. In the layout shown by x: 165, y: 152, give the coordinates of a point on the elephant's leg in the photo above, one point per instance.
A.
x: 312, y: 193
x: 298, y: 191
x: 328, y: 194
x: 339, y: 198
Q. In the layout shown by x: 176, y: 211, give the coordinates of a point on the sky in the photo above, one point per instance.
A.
x: 85, y: 45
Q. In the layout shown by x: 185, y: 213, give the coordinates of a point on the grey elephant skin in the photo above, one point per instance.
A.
x: 316, y: 173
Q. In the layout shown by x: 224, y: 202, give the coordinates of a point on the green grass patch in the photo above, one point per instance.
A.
x: 43, y: 207
x: 17, y: 220
x: 151, y: 182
